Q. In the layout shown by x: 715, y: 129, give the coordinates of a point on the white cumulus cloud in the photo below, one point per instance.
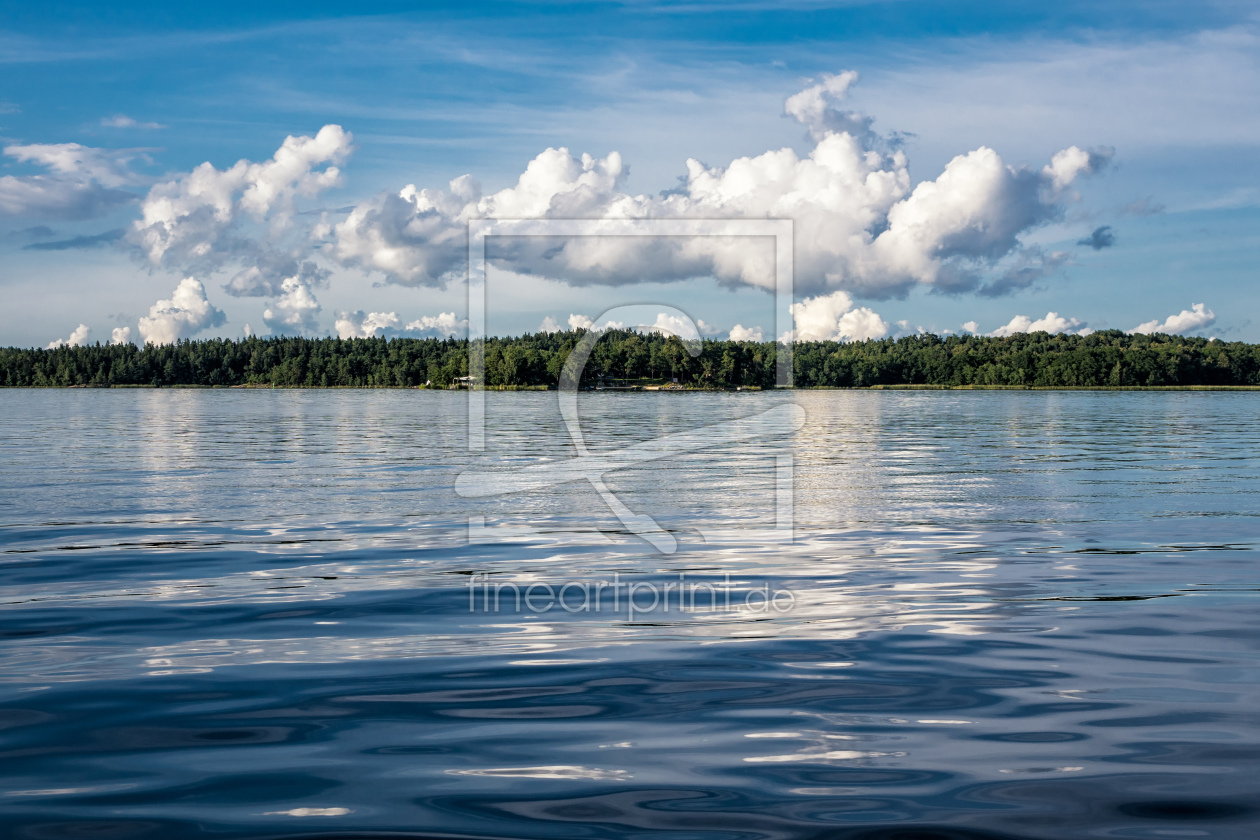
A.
x: 265, y: 275
x: 296, y: 311
x: 185, y: 314
x: 667, y: 324
x: 359, y: 325
x: 816, y: 107
x: 860, y: 226
x: 1066, y: 165
x: 582, y: 322
x: 1052, y: 323
x: 120, y: 335
x: 741, y: 333
x: 193, y: 221
x: 419, y: 236
x: 707, y: 329
x: 388, y: 324
x: 1187, y: 320
x: 444, y: 324
x: 905, y: 328
x: 833, y: 318
x: 78, y: 338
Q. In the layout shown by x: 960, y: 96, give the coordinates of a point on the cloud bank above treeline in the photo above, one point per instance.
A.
x: 863, y: 229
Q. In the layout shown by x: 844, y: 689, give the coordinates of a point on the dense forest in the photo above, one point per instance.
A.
x: 1108, y: 358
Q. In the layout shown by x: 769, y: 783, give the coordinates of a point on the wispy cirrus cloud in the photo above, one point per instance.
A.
x: 81, y: 182
x: 124, y: 121
x: 33, y: 232
x: 98, y: 240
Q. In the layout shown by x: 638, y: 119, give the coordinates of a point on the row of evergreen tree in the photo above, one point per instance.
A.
x: 1107, y: 358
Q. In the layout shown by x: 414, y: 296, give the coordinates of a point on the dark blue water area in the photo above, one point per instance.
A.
x: 269, y: 615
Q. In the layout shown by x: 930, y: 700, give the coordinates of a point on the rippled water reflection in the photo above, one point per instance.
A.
x: 246, y: 614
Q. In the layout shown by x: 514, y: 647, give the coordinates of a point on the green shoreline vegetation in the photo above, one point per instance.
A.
x: 1108, y: 359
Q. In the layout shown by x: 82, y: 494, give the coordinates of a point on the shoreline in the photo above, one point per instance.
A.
x: 682, y: 390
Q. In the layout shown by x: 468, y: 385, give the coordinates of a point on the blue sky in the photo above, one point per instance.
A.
x: 1167, y: 93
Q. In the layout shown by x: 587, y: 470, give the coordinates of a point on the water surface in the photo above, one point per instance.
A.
x: 247, y: 614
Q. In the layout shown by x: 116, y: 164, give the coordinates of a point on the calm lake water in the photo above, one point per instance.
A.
x: 230, y: 614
